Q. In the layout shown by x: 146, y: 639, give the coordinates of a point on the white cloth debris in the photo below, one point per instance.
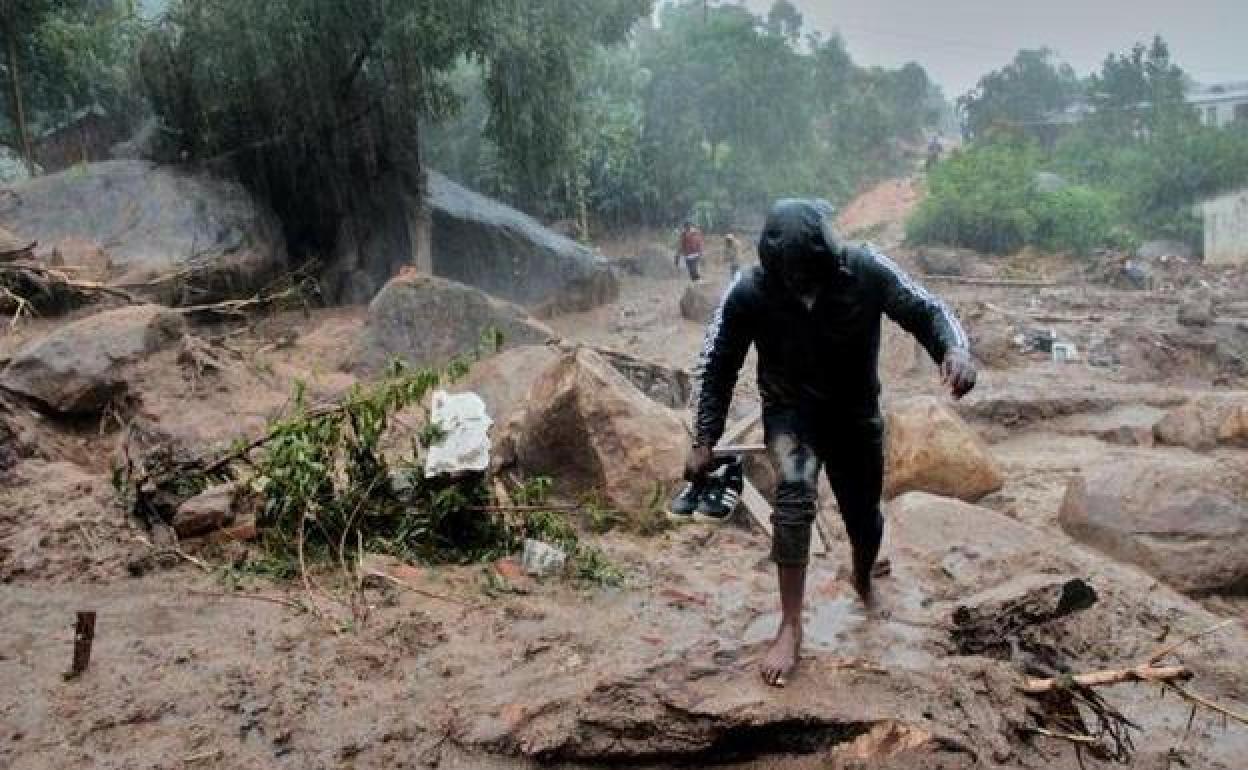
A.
x: 541, y: 559
x: 465, y: 442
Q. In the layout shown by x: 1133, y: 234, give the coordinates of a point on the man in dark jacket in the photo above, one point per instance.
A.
x: 813, y: 310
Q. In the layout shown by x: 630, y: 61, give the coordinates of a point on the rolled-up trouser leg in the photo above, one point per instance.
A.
x: 797, y: 465
x: 854, y: 453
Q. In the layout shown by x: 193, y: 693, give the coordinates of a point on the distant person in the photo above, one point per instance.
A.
x: 691, y: 246
x: 812, y: 311
x: 732, y: 254
x: 934, y: 150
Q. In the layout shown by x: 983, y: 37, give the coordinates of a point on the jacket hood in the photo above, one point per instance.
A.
x: 799, y: 244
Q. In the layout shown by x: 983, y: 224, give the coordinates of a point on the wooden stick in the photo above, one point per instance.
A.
x: 734, y: 450
x: 1143, y: 673
x: 423, y: 592
x: 1162, y: 652
x: 1201, y: 700
x: 1086, y: 739
x: 84, y: 637
x: 291, y: 603
x: 1001, y: 283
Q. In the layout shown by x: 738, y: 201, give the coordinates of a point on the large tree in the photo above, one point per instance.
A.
x: 312, y: 100
x: 1020, y: 95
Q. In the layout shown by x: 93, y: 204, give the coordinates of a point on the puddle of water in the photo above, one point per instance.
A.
x: 841, y: 626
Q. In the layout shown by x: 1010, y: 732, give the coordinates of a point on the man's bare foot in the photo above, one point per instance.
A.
x: 781, y: 659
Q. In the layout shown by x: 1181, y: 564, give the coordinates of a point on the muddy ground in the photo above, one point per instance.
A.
x: 204, y: 666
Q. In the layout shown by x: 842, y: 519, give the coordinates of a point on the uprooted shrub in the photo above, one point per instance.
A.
x: 329, y: 493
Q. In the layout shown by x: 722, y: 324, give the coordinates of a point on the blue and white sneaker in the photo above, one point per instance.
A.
x: 722, y: 493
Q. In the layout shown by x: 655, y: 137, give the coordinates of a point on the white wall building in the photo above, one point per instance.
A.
x: 1221, y: 104
x: 1226, y: 228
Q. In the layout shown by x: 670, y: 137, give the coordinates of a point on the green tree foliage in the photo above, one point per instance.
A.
x: 986, y: 199
x: 62, y: 56
x: 715, y: 112
x: 314, y: 101
x: 1140, y: 160
x: 1021, y: 95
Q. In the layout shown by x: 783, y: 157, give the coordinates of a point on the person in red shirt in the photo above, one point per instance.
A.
x: 691, y: 245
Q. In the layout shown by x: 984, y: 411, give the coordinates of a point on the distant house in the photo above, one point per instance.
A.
x: 1218, y: 104
x: 1221, y: 104
x: 86, y: 136
x: 1226, y: 228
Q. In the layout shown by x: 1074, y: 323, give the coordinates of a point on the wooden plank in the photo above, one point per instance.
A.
x: 1000, y: 283
x: 737, y: 430
x: 760, y: 511
x: 734, y: 450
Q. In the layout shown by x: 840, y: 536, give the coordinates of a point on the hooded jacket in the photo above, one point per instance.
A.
x: 823, y: 357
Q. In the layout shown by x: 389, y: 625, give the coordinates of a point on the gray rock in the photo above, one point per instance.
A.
x: 82, y: 367
x: 699, y: 302
x: 426, y: 321
x: 481, y: 242
x: 1183, y: 521
x: 154, y: 220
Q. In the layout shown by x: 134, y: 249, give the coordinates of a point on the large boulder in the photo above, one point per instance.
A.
x: 82, y: 367
x: 153, y: 220
x: 503, y: 380
x: 484, y: 243
x: 426, y: 321
x: 1205, y: 423
x: 1183, y: 521
x: 930, y: 449
x: 590, y: 429
x: 699, y: 302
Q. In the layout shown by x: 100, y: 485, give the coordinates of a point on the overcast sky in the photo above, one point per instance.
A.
x: 957, y: 41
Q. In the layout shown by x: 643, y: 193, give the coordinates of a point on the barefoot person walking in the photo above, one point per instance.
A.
x: 813, y: 310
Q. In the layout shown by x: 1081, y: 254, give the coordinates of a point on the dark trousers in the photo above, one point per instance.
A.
x: 691, y: 264
x: 850, y: 448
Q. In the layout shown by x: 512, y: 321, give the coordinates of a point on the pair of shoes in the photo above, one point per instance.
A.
x: 713, y: 498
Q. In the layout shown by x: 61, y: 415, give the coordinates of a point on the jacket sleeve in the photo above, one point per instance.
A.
x: 918, y: 311
x: 728, y: 339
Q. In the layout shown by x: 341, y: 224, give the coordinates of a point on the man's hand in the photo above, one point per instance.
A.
x: 957, y: 372
x: 698, y: 463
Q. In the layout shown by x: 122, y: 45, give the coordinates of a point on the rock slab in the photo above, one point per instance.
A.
x: 930, y: 449
x: 154, y: 220
x: 82, y: 367
x: 1183, y: 521
x: 589, y: 428
x: 426, y: 321
x: 481, y: 242
x: 206, y: 512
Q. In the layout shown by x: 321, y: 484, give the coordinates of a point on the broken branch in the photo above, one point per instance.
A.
x: 1144, y: 673
x: 1201, y: 700
x: 1162, y: 652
